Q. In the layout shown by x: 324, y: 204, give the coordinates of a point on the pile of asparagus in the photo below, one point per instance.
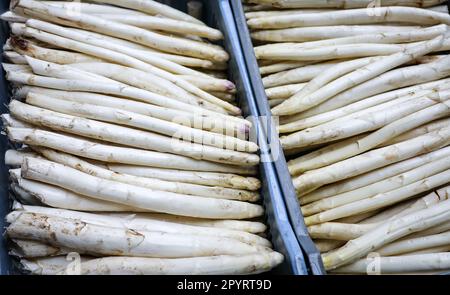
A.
x: 130, y: 150
x: 362, y: 93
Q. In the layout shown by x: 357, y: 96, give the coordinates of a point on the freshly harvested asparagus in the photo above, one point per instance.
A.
x: 139, y: 223
x: 133, y: 243
x: 214, y: 265
x: 401, y: 264
x: 115, y: 154
x: 302, y: 34
x: 176, y: 187
x: 107, y: 114
x: 350, y: 17
x: 45, y: 171
x: 202, y: 178
x: 115, y: 29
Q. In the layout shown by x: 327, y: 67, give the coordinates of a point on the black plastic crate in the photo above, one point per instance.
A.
x: 280, y: 165
x: 217, y: 13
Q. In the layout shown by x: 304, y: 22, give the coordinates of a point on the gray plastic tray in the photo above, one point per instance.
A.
x: 218, y: 14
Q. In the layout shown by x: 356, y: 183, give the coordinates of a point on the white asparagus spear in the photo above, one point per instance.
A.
x: 304, y: 34
x: 352, y: 17
x: 114, y: 241
x: 376, y: 188
x: 358, y: 76
x: 52, y: 265
x: 344, y: 4
x: 387, y: 232
x: 427, y: 201
x: 116, y: 53
x: 91, y: 8
x: 400, y: 264
x: 239, y: 225
x: 283, y: 92
x: 107, y: 114
x: 415, y: 244
x: 364, y: 104
x: 327, y: 245
x: 61, y: 198
x: 374, y: 176
x: 135, y: 222
x: 282, y: 66
x: 194, y: 177
x: 147, y: 51
x: 371, y: 160
x: 63, y: 176
x: 293, y: 51
x: 164, y: 24
x: 265, y: 13
x: 132, y: 33
x: 215, y: 265
x: 154, y: 8
x: 25, y: 47
x: 426, y: 128
x: 146, y: 81
x: 15, y: 158
x: 212, y: 124
x: 381, y: 200
x: 114, y: 154
x: 151, y: 183
x: 10, y: 16
x: 381, y: 38
x: 338, y: 231
x: 360, y: 123
x: 127, y: 136
x: 328, y: 76
x: 210, y: 84
x: 14, y: 57
x: 300, y: 74
x: 23, y: 196
x: 9, y: 121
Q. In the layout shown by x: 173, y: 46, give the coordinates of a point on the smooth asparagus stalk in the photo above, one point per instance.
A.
x: 114, y: 154
x: 304, y: 34
x: 62, y: 176
x: 147, y: 224
x: 352, y: 17
x: 401, y: 264
x: 151, y: 183
x: 87, y: 237
x: 376, y: 188
x: 195, y: 177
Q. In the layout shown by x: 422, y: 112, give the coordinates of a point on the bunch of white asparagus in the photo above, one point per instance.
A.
x: 362, y: 93
x: 130, y: 151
